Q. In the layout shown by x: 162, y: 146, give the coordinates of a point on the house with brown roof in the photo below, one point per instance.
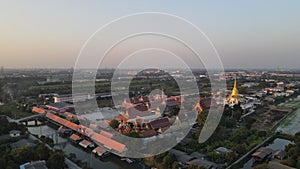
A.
x: 262, y: 153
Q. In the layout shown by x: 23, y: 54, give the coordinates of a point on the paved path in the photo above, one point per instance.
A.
x: 22, y: 119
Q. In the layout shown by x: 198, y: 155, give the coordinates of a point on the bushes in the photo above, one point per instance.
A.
x: 56, y: 160
x: 12, y: 158
x: 114, y: 123
x: 293, y: 153
x: 162, y: 161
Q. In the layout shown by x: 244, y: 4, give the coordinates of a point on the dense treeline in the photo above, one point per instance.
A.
x: 163, y: 161
x: 293, y: 153
x: 239, y: 140
x: 13, y: 158
x: 5, y: 126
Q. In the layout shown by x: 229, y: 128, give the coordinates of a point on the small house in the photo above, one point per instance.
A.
x: 262, y: 153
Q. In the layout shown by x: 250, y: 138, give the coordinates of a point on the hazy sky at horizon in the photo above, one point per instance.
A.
x: 247, y: 34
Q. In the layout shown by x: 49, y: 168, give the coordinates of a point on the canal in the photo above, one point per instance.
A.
x: 290, y: 125
x: 110, y: 162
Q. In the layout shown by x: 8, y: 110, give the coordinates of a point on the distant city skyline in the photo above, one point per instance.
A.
x: 247, y: 34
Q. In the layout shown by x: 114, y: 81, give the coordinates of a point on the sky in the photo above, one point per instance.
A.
x: 247, y: 34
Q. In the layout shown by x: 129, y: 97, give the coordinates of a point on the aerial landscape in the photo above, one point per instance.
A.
x: 149, y: 85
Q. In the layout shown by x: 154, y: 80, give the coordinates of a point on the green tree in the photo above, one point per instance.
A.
x: 42, y: 152
x: 2, y: 163
x: 12, y: 165
x: 72, y: 156
x: 237, y: 111
x: 133, y: 134
x: 23, y: 155
x: 175, y: 165
x: 229, y: 157
x: 56, y: 160
x: 239, y: 148
x: 114, y: 123
x: 201, y: 118
x: 261, y: 166
x: 168, y: 160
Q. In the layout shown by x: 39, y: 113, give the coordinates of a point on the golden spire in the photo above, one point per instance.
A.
x: 235, y: 92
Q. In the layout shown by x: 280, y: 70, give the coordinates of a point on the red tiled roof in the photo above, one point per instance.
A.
x: 39, y: 110
x: 62, y: 121
x: 85, y: 130
x: 100, y: 138
x: 75, y: 137
x: 106, y: 134
x: 109, y: 143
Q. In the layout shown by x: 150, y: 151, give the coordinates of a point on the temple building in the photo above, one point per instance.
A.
x: 234, y: 98
x: 246, y: 103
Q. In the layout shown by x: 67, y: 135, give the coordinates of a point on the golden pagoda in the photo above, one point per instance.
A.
x: 235, y: 92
